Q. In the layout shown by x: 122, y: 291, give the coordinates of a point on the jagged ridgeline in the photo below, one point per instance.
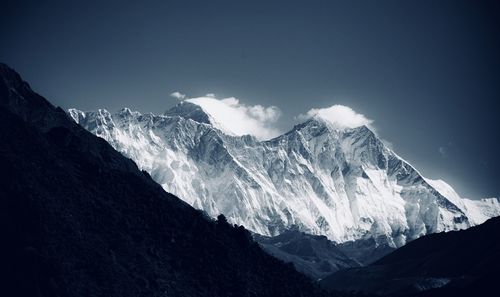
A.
x: 344, y: 183
x: 80, y: 219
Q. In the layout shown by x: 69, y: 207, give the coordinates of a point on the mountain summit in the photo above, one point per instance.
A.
x: 344, y: 183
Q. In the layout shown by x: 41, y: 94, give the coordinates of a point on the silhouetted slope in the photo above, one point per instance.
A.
x: 459, y: 263
x: 79, y: 219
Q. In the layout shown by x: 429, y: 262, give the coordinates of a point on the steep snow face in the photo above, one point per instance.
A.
x: 478, y: 210
x: 341, y: 183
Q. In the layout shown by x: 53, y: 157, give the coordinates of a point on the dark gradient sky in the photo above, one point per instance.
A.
x: 427, y: 72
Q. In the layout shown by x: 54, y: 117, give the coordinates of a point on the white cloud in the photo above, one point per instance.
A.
x: 237, y: 118
x: 178, y: 95
x: 340, y: 116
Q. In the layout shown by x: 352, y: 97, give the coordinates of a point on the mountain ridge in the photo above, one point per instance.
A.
x: 342, y: 183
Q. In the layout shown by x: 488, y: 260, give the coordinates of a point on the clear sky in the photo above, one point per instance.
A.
x: 426, y: 72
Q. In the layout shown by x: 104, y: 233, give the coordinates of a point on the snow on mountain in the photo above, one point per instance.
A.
x: 478, y: 210
x: 341, y: 182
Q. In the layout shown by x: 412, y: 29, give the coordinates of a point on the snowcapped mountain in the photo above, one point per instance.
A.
x: 340, y: 182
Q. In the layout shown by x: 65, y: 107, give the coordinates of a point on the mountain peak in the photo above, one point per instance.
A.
x: 92, y: 119
x: 189, y: 110
x: 197, y: 110
x: 338, y: 116
x: 9, y: 75
x: 316, y: 125
x: 126, y: 111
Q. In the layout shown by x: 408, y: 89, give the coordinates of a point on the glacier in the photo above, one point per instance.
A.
x: 344, y: 183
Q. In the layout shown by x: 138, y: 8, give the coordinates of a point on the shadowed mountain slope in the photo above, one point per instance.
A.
x: 79, y: 219
x: 458, y: 263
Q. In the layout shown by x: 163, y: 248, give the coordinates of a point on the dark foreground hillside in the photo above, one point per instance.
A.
x: 460, y: 263
x: 79, y: 219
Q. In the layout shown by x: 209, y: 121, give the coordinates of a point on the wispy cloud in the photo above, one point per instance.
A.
x: 237, y: 118
x: 338, y: 115
x: 234, y: 117
x: 178, y: 95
